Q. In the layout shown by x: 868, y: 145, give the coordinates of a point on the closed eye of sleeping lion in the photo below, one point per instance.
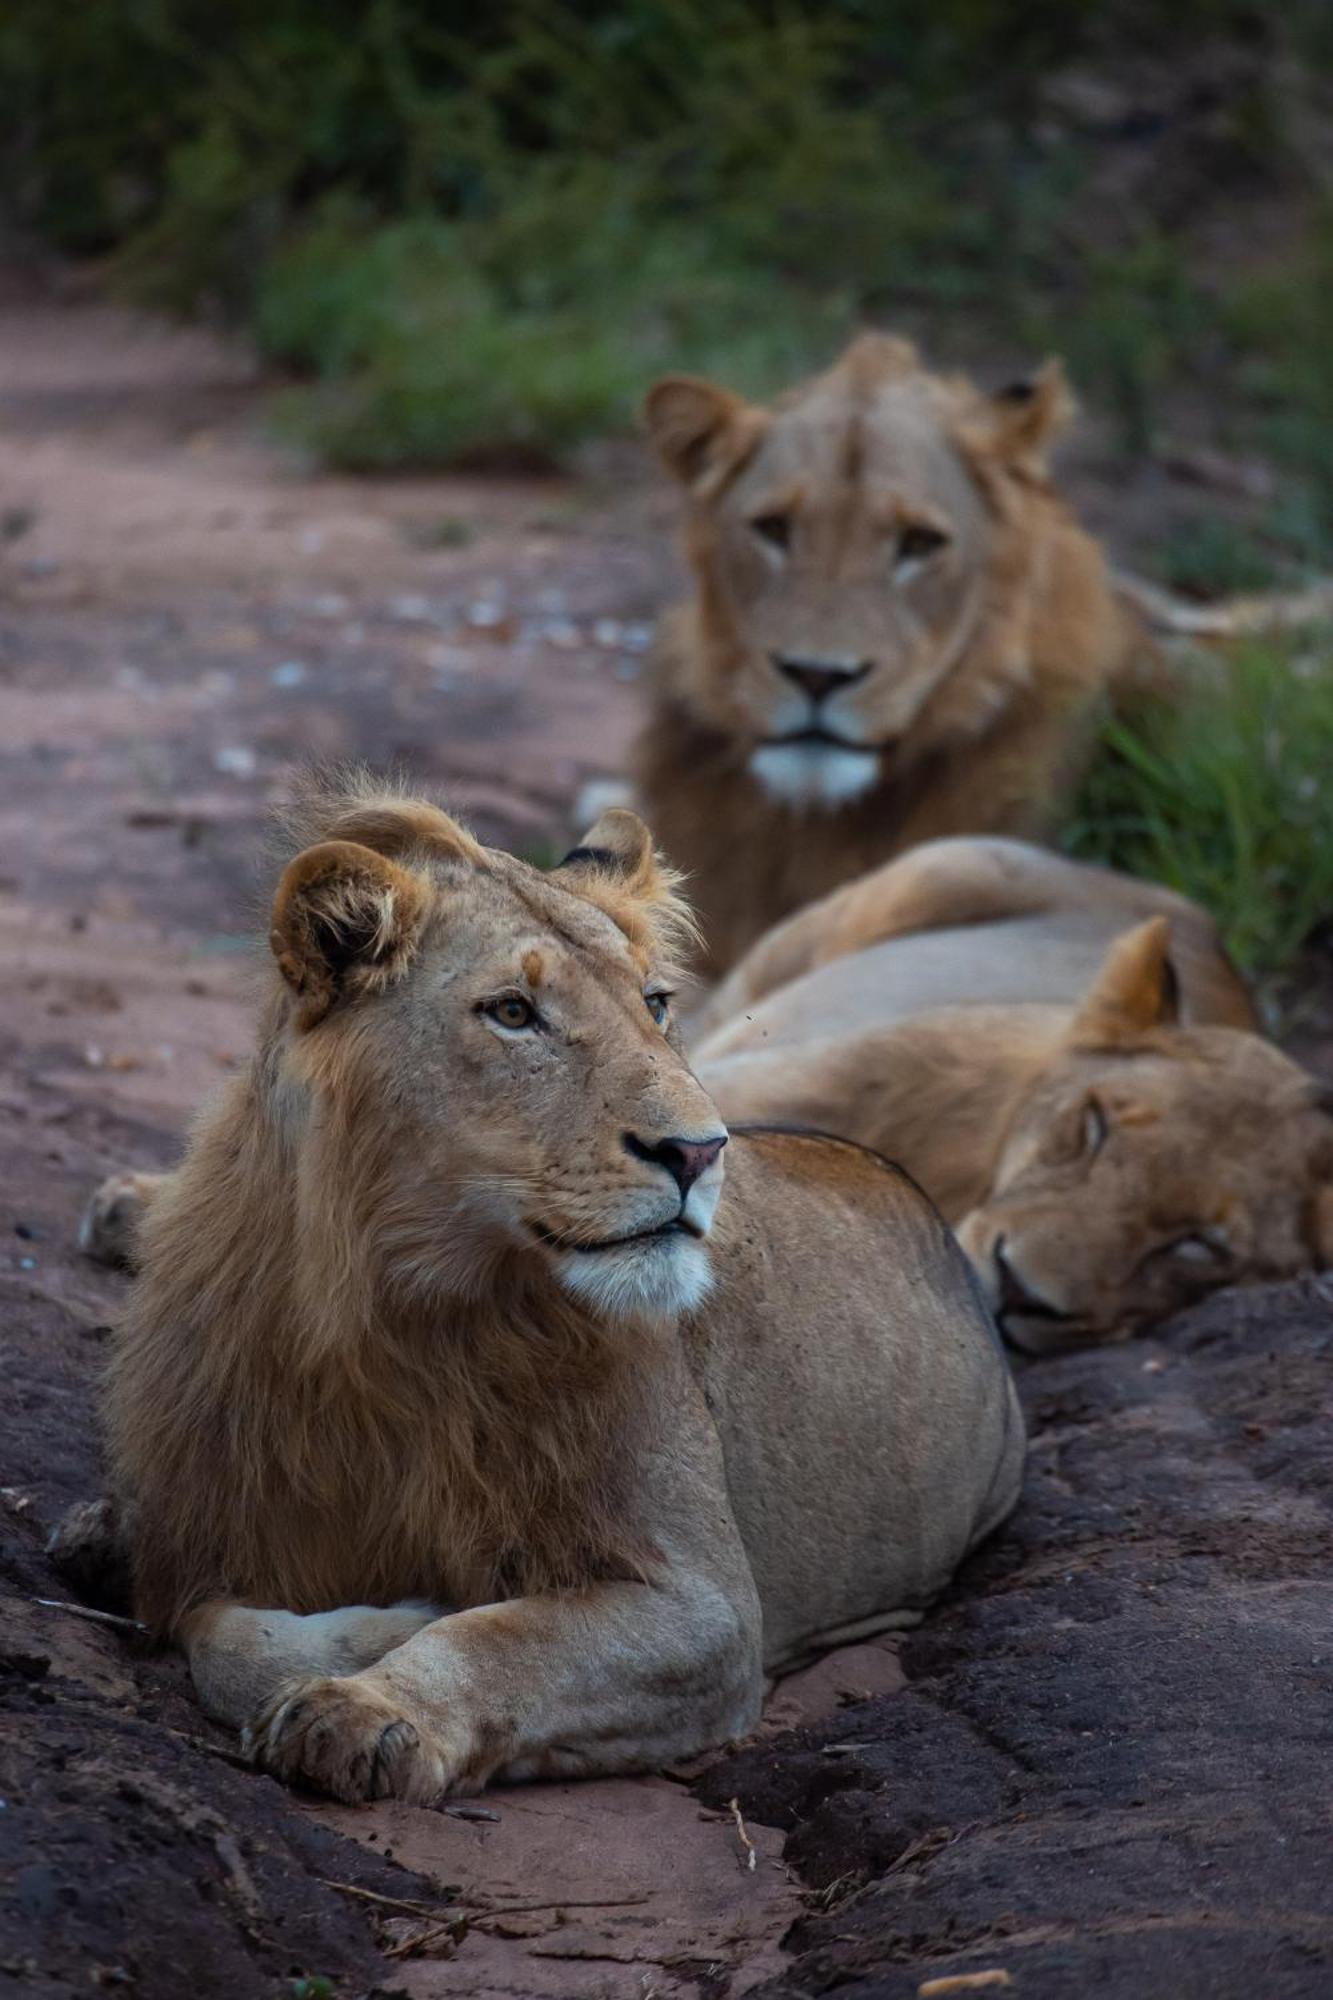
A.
x: 450, y: 1305
x: 1080, y: 1093
x: 898, y: 631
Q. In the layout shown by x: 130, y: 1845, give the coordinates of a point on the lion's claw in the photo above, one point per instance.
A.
x: 347, y: 1739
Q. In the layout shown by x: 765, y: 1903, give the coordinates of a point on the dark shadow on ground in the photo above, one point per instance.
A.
x: 1110, y: 1772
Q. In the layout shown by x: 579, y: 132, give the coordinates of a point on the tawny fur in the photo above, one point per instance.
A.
x: 422, y: 1499
x: 390, y: 1466
x: 987, y: 672
x: 1063, y: 1058
x: 990, y: 887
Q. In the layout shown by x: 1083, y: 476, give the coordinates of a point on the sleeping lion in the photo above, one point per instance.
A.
x: 898, y: 631
x: 483, y: 1407
x: 1066, y: 1062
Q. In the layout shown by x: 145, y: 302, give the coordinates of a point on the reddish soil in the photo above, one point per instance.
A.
x: 1107, y: 1770
x: 184, y: 618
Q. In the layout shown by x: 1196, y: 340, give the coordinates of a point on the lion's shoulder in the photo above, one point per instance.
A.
x: 822, y: 1173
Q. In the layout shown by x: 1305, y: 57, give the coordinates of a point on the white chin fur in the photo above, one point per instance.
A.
x: 814, y: 774
x: 657, y: 1279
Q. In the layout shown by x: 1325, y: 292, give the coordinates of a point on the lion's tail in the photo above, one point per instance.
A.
x: 1165, y: 652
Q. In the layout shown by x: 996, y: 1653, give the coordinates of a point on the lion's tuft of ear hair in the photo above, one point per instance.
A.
x: 616, y: 866
x: 1019, y: 426
x: 351, y: 802
x: 1135, y: 992
x: 346, y: 922
x: 702, y: 433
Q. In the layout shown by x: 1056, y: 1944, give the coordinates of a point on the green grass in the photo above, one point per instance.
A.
x: 1226, y: 797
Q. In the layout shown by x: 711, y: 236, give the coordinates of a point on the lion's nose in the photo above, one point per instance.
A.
x: 819, y: 678
x: 686, y: 1160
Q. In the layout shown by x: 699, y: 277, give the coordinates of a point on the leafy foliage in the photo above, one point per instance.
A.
x: 480, y: 229
x: 442, y: 341
x: 1225, y: 797
x: 1284, y: 324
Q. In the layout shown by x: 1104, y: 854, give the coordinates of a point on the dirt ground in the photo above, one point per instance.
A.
x: 1111, y: 1768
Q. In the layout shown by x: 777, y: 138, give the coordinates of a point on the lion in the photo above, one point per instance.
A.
x: 898, y: 631
x: 485, y: 1408
x: 1066, y: 1062
x: 1058, y: 918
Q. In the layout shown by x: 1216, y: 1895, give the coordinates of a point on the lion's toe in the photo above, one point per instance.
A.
x: 340, y: 1737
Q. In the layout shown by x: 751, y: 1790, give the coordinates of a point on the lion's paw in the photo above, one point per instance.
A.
x: 344, y: 1738
x: 109, y: 1225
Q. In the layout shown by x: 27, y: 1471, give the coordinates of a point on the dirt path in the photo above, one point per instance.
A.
x: 184, y: 616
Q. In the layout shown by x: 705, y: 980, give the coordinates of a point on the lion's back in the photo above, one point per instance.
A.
x: 867, y: 1413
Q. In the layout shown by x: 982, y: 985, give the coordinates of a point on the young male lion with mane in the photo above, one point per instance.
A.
x: 898, y: 631
x: 464, y: 1423
x: 1065, y: 1060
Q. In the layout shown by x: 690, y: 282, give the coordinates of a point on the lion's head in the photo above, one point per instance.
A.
x: 473, y: 1057
x: 1151, y: 1164
x: 851, y: 545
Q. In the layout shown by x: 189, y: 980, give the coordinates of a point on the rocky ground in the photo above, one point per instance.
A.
x: 1110, y: 1767
x: 1109, y: 1772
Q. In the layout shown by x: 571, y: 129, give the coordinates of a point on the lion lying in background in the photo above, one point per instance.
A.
x: 898, y: 631
x: 1079, y: 1091
x: 464, y: 1424
x: 1058, y: 917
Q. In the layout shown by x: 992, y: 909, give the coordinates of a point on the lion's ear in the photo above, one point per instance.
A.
x: 616, y: 866
x: 617, y: 844
x: 1135, y: 990
x: 1026, y: 418
x: 701, y: 432
x: 346, y: 921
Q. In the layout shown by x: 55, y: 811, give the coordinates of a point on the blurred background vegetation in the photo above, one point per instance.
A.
x: 472, y: 234
x: 480, y: 229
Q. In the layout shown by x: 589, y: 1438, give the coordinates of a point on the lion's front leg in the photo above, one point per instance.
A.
x: 618, y: 1677
x: 241, y: 1656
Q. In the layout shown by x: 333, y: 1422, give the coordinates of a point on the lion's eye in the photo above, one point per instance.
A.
x: 1198, y: 1250
x: 512, y: 1012
x: 1096, y: 1128
x: 916, y: 542
x: 659, y: 1006
x: 774, y: 530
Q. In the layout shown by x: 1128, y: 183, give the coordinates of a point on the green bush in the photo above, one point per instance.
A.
x: 1225, y: 796
x: 1139, y: 321
x: 432, y: 341
x: 1283, y: 322
x: 573, y: 193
